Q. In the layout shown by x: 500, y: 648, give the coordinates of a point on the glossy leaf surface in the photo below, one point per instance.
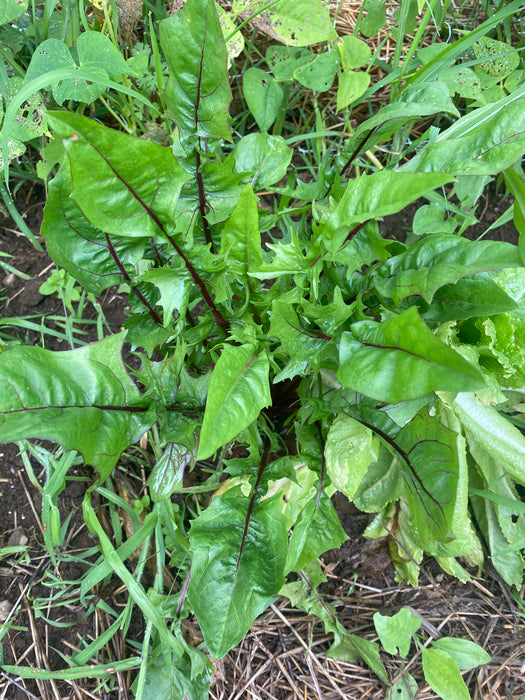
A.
x: 198, y: 92
x: 239, y: 390
x: 235, y: 575
x: 82, y: 398
x: 401, y: 359
x: 123, y: 185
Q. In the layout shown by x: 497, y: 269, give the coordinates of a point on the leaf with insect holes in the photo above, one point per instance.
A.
x: 96, y: 54
x: 294, y: 22
x: 237, y: 567
x: 239, y: 390
x: 263, y: 95
x: 11, y: 10
x: 83, y: 399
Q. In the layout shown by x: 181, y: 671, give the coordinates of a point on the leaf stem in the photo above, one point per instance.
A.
x: 152, y: 312
x: 251, y: 504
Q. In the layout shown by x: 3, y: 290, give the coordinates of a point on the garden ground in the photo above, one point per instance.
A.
x: 284, y: 654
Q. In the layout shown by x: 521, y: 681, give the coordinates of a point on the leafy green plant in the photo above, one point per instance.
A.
x: 281, y: 336
x: 443, y: 660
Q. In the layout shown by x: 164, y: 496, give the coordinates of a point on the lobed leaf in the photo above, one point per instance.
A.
x: 83, y: 399
x: 370, y: 197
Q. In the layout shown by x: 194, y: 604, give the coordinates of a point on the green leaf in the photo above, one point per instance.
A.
x: 240, y: 237
x: 401, y: 359
x: 354, y: 52
x: 374, y: 19
x: 430, y: 218
x: 198, y: 96
x: 297, y: 342
x: 494, y: 144
x: 370, y: 197
x: 83, y: 399
x: 119, y: 180
x: 236, y: 570
x: 263, y: 95
x: 443, y: 675
x: 169, y: 677
x: 267, y: 157
x: 403, y: 689
x: 493, y: 433
x: 174, y: 285
x: 509, y: 564
x: 349, y: 647
x: 500, y: 58
x: 319, y: 74
x: 283, y: 61
x: 381, y: 484
x: 294, y: 22
x: 11, y: 10
x: 80, y: 248
x: 396, y: 631
x: 416, y: 102
x: 96, y: 54
x: 439, y: 260
x: 352, y: 85
x: 428, y: 454
x: 317, y: 530
x: 239, y: 390
x: 167, y: 475
x: 517, y: 187
x: 350, y: 447
x: 471, y: 297
x: 30, y: 122
x: 465, y: 653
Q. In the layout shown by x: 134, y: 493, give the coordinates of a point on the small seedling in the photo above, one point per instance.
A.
x: 443, y: 660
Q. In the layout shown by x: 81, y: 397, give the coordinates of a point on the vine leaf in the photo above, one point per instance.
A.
x: 228, y: 591
x: 239, y: 390
x: 96, y: 54
x: 83, y: 399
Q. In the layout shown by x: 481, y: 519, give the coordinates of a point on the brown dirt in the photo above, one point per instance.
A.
x: 283, y: 656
